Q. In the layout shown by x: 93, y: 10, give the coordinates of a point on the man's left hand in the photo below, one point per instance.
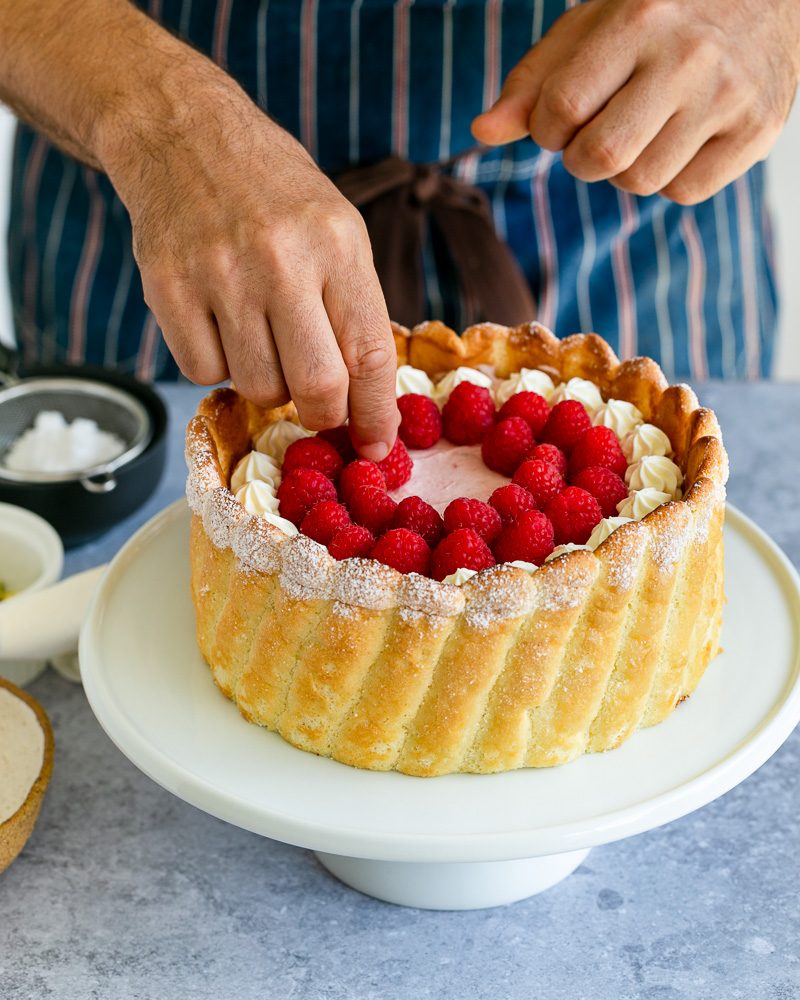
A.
x: 673, y: 96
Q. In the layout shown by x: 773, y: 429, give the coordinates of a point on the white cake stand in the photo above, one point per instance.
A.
x: 457, y: 842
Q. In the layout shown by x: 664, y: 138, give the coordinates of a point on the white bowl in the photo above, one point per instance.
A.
x: 31, y: 557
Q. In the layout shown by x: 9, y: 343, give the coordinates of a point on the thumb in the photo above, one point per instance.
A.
x: 507, y: 119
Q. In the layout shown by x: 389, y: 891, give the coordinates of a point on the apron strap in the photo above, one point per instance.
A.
x: 398, y: 200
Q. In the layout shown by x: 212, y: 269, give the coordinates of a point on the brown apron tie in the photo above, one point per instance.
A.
x: 398, y: 200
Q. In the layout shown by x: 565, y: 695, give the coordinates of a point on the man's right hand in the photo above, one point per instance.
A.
x: 254, y: 265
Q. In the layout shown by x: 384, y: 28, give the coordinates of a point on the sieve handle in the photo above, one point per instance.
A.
x: 103, y: 482
x: 45, y: 623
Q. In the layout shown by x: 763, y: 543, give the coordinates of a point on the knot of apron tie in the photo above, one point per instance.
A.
x: 399, y: 200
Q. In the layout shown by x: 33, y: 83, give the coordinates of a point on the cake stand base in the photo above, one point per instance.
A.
x: 451, y: 886
x: 448, y: 842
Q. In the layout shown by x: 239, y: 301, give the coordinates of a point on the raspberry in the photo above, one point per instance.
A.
x: 421, y: 422
x: 397, y: 466
x: 362, y: 472
x: 300, y: 490
x: 604, y: 485
x: 598, y: 446
x: 339, y: 437
x: 533, y: 408
x: 405, y: 550
x: 463, y: 549
x: 506, y: 444
x: 351, y: 541
x: 529, y: 539
x: 467, y: 414
x: 510, y: 501
x: 416, y: 515
x: 541, y: 479
x: 372, y: 508
x: 567, y: 423
x: 574, y: 514
x: 468, y: 513
x: 550, y: 453
x: 313, y: 453
x: 323, y: 521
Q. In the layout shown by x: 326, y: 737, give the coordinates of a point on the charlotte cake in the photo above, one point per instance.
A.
x: 524, y: 652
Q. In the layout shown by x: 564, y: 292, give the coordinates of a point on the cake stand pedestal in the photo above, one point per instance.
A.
x: 470, y: 885
x: 455, y: 842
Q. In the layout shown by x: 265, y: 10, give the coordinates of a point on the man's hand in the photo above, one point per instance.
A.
x: 255, y: 265
x: 676, y: 96
x: 252, y: 262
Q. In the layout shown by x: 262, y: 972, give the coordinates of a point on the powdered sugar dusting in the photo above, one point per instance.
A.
x: 498, y: 594
x: 366, y: 584
x: 256, y: 544
x: 563, y: 584
x: 221, y: 514
x: 307, y: 569
x: 667, y: 542
x: 622, y: 554
x: 703, y: 513
x: 429, y: 597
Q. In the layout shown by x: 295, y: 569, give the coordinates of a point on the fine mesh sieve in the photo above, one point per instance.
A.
x: 112, y: 409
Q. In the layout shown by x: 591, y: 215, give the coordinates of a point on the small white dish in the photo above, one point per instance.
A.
x: 458, y: 841
x: 31, y: 557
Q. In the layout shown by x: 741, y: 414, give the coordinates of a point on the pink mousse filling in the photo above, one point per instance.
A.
x: 447, y: 471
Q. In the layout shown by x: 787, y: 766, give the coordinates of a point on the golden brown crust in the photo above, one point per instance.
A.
x: 16, y: 830
x: 355, y: 661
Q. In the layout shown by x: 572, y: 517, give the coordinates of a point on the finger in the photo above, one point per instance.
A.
x: 720, y: 161
x: 310, y: 357
x: 357, y: 311
x: 189, y: 329
x: 252, y: 356
x: 616, y: 137
x: 508, y: 118
x: 593, y: 66
x: 667, y: 155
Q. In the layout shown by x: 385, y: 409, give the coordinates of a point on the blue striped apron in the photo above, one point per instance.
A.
x: 358, y: 80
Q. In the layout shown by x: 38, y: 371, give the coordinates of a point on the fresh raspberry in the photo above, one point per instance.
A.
x: 566, y: 425
x: 340, y: 438
x: 574, y: 514
x: 510, y: 501
x: 463, y: 549
x: 533, y: 408
x: 506, y: 444
x: 550, y: 453
x: 529, y: 539
x: 466, y: 512
x: 313, y: 453
x: 468, y: 414
x: 362, y: 472
x: 405, y: 550
x: 323, y: 521
x: 300, y: 490
x: 397, y: 466
x: 420, y: 421
x: 416, y: 515
x: 354, y: 540
x: 372, y: 508
x: 598, y: 446
x: 541, y: 479
x: 604, y: 485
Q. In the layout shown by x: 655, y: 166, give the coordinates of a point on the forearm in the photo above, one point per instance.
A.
x: 94, y: 74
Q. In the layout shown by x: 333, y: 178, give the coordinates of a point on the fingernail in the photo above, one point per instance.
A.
x: 375, y: 452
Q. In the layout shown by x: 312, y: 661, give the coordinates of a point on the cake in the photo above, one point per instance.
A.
x: 548, y: 622
x: 26, y: 762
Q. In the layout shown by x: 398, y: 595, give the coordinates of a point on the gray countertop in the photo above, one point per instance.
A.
x: 125, y: 891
